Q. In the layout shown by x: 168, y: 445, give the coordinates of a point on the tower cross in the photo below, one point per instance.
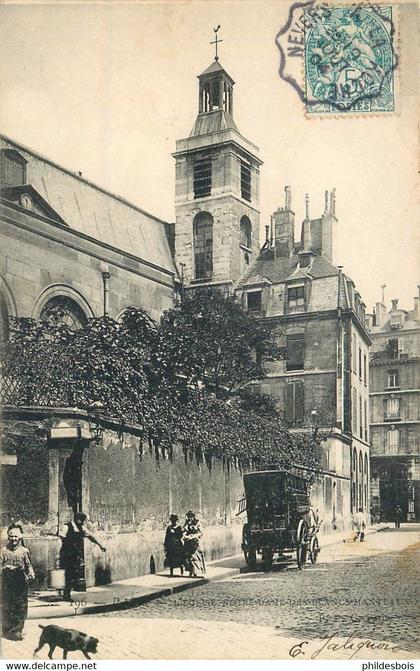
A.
x: 216, y: 42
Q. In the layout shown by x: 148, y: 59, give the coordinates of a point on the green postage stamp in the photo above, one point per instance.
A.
x: 348, y: 57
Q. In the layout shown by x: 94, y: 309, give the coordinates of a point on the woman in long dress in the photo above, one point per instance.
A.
x: 71, y: 553
x: 194, y: 555
x: 174, y: 546
x: 16, y: 571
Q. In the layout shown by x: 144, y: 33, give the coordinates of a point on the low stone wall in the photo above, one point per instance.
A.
x: 133, y: 554
x: 128, y: 554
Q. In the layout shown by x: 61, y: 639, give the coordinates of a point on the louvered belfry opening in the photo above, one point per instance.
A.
x: 202, y: 178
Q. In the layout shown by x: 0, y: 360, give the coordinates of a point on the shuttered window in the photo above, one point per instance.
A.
x: 295, y: 406
x: 295, y: 346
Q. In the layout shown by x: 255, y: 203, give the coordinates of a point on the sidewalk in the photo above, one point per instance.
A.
x: 133, y: 592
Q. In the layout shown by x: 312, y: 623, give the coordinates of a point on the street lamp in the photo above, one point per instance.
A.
x: 314, y: 422
x: 96, y: 409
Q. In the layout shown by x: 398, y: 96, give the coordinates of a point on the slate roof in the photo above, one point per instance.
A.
x: 91, y: 210
x: 213, y: 68
x: 210, y: 122
x: 281, y: 269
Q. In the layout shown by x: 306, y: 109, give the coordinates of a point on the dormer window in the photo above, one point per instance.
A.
x: 396, y: 321
x: 304, y: 260
x: 12, y: 168
x: 254, y: 301
x: 296, y: 298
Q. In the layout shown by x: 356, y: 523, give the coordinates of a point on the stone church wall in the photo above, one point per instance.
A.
x: 40, y: 259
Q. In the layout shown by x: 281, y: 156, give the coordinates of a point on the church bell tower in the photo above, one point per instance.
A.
x: 217, y: 190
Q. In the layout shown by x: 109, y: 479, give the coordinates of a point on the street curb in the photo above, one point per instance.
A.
x: 338, y: 541
x: 50, y: 612
x: 125, y: 603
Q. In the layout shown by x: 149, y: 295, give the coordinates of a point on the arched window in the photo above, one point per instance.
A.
x: 246, y: 232
x: 4, y: 320
x: 203, y: 245
x: 64, y: 310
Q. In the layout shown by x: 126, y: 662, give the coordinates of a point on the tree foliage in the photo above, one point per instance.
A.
x: 186, y: 380
x: 210, y: 340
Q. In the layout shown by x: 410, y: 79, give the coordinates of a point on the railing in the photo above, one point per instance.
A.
x: 395, y: 415
x: 46, y: 381
x: 241, y: 505
x: 384, y: 356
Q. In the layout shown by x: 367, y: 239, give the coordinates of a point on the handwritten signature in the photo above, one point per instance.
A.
x: 353, y: 644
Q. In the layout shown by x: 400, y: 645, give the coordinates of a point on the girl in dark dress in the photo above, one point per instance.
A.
x: 174, y: 546
x: 71, y: 553
x: 16, y: 570
x: 194, y: 555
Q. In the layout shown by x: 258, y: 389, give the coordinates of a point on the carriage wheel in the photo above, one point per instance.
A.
x: 301, y: 544
x: 250, y: 554
x: 313, y: 549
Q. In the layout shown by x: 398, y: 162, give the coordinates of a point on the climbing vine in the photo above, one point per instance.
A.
x: 188, y: 379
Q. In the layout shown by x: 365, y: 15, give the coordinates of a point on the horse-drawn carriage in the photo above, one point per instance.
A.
x: 280, y: 518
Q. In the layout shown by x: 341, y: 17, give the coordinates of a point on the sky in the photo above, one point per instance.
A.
x: 108, y: 88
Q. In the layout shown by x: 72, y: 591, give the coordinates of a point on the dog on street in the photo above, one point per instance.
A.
x: 67, y: 639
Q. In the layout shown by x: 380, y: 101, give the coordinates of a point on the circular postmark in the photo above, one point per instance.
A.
x: 339, y: 59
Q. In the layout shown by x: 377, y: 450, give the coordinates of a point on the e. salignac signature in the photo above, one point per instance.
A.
x: 334, y: 643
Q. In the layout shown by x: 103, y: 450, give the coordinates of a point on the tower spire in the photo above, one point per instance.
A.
x: 216, y: 41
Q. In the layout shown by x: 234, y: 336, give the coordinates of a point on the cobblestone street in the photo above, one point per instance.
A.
x: 368, y: 592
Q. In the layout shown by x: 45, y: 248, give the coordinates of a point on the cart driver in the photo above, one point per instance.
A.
x: 313, y: 519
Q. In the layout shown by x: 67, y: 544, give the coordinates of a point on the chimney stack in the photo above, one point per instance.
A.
x: 332, y: 202
x: 380, y: 314
x: 284, y: 224
x: 306, y: 228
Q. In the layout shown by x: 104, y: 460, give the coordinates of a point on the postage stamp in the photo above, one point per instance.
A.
x: 340, y: 59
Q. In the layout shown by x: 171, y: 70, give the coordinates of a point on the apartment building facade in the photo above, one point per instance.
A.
x: 395, y: 410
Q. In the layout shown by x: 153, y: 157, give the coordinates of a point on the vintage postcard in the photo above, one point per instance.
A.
x: 209, y: 332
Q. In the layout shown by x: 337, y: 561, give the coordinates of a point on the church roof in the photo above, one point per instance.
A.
x: 89, y: 209
x: 210, y: 122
